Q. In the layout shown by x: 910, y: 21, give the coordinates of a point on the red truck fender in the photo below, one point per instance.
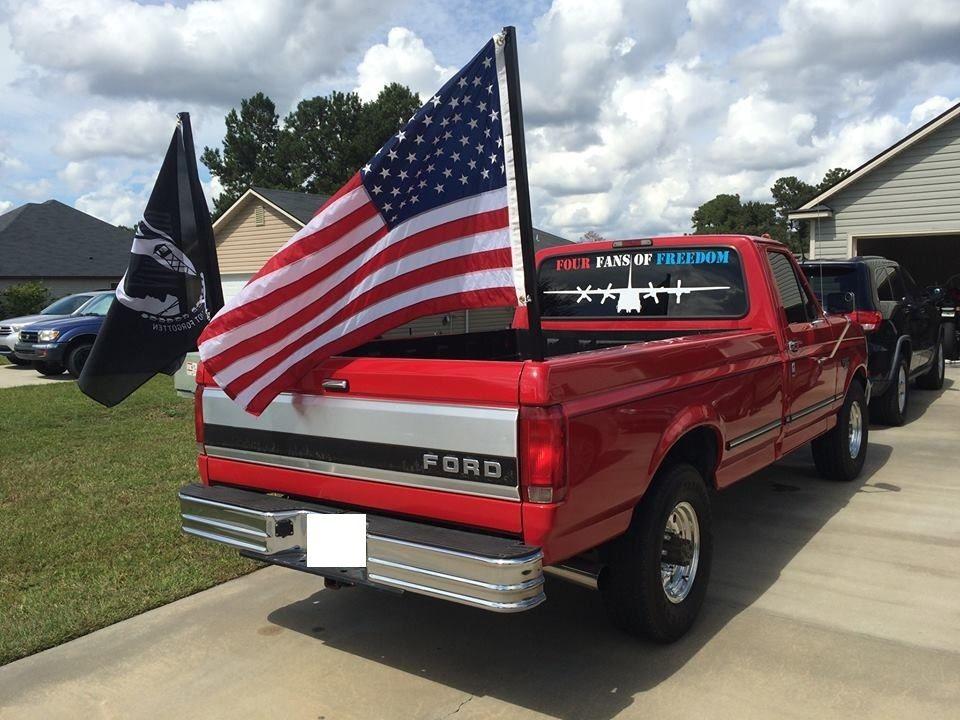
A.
x: 692, y: 419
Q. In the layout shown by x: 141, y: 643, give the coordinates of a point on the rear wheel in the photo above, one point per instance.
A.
x: 932, y: 379
x: 950, y: 341
x: 657, y: 572
x: 77, y: 358
x: 839, y: 455
x: 891, y: 407
x: 49, y: 368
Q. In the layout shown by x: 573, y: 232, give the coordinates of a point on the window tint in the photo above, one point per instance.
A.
x: 793, y: 297
x: 676, y: 282
x: 827, y: 279
x: 65, y: 306
x: 889, y: 285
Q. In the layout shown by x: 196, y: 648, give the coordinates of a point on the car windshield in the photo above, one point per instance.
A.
x: 66, y: 305
x: 676, y: 282
x: 826, y: 279
x: 98, y: 305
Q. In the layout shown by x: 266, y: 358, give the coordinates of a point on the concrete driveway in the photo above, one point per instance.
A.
x: 17, y: 375
x: 827, y: 600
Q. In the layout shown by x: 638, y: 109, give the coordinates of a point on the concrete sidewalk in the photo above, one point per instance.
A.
x: 827, y: 600
x: 19, y: 375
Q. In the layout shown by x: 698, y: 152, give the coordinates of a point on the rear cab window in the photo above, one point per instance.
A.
x: 675, y: 282
x: 797, y: 305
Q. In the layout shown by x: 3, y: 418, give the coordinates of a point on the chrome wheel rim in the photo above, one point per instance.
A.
x: 678, y: 580
x: 855, y: 430
x: 902, y: 389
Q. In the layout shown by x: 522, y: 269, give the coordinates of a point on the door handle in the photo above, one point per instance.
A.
x: 794, y: 345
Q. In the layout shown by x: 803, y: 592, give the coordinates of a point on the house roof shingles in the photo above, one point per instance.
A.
x: 51, y: 239
x: 301, y: 205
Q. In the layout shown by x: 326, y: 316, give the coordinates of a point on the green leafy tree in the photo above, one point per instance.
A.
x: 317, y: 148
x: 831, y: 178
x: 250, y: 153
x: 723, y: 214
x: 26, y: 298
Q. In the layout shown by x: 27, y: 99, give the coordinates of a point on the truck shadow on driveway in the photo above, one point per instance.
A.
x: 563, y: 658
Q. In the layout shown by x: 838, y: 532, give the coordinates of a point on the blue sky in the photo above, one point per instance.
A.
x: 636, y: 111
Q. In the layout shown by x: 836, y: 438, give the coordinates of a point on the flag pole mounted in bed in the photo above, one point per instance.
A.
x: 536, y: 345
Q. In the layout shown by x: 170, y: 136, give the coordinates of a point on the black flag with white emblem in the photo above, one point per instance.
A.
x: 171, y: 287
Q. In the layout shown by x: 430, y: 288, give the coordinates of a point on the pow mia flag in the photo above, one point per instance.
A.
x: 171, y: 287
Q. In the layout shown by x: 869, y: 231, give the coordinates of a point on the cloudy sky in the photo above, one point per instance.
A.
x: 636, y: 111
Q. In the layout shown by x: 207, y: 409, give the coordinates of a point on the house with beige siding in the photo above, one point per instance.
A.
x: 903, y: 204
x: 259, y: 223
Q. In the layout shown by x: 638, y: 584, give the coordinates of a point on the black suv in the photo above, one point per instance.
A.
x: 901, y: 322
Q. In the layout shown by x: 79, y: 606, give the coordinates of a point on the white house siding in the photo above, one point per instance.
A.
x: 916, y: 192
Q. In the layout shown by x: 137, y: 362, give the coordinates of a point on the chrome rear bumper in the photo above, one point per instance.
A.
x: 492, y: 573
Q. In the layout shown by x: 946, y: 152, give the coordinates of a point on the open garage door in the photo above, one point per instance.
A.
x: 930, y: 259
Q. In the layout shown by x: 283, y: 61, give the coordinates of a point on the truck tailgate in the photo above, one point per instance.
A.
x: 427, y: 438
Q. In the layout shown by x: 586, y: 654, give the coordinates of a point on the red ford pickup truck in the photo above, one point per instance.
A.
x: 674, y: 367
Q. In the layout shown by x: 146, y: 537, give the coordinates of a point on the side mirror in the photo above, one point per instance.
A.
x: 840, y: 303
x: 936, y: 293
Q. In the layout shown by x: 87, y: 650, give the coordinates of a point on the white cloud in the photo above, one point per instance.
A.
x: 762, y: 134
x: 403, y: 59
x: 5, y: 205
x: 212, y: 52
x: 136, y: 130
x: 115, y: 203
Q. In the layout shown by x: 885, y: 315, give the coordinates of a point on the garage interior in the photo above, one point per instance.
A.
x: 930, y: 259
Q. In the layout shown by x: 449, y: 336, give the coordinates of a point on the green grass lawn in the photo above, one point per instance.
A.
x: 89, y: 524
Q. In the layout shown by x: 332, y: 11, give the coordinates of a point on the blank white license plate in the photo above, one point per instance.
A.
x: 336, y: 540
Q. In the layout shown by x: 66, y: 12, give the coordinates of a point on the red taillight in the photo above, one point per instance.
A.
x: 869, y: 319
x: 543, y: 468
x: 198, y: 417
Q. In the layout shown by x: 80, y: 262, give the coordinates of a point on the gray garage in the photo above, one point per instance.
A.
x: 903, y: 204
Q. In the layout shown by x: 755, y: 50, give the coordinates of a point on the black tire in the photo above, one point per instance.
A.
x: 631, y: 584
x: 832, y: 452
x: 77, y: 357
x: 888, y: 408
x: 950, y: 341
x: 49, y: 368
x: 932, y: 379
x: 16, y: 361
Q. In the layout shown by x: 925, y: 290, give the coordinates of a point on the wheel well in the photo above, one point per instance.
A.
x: 80, y: 339
x: 698, y: 447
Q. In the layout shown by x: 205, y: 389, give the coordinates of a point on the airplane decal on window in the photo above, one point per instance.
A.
x: 630, y: 299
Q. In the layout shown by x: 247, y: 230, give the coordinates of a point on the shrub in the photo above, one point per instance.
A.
x: 24, y: 298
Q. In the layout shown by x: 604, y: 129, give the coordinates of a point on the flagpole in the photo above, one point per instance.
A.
x: 527, y: 248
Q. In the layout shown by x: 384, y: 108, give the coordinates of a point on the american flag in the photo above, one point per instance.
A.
x: 429, y: 225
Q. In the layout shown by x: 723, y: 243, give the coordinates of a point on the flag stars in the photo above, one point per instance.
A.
x: 435, y: 100
x: 494, y: 115
x: 411, y: 157
x: 462, y: 82
x: 455, y: 157
x: 476, y: 80
x: 487, y: 61
x: 464, y: 140
x: 466, y: 100
x: 403, y: 175
x: 457, y: 117
x: 422, y: 184
x: 447, y: 135
x: 444, y: 122
x: 473, y: 124
x: 472, y: 164
x: 401, y: 136
x: 438, y: 188
x: 490, y: 88
x: 377, y: 190
x: 385, y: 173
x: 427, y: 120
x: 480, y: 148
x: 454, y: 102
x: 463, y: 180
x: 499, y: 142
x: 413, y: 199
x: 493, y: 158
x: 392, y: 154
x: 366, y: 168
x: 395, y: 192
x: 485, y: 173
x: 419, y: 139
x: 387, y: 207
x: 486, y: 132
x: 447, y: 172
x: 482, y: 106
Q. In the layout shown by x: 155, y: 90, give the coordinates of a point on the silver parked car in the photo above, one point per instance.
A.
x: 10, y: 328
